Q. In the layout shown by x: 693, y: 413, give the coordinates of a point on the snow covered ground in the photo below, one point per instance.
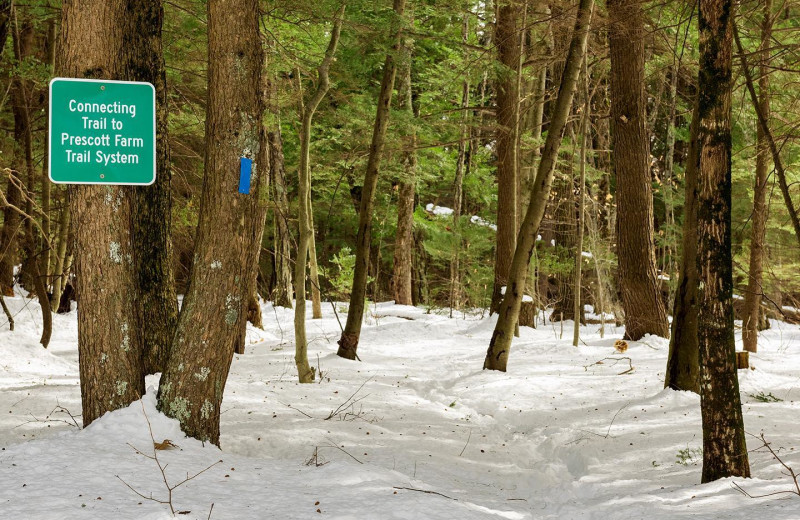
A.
x: 559, y: 436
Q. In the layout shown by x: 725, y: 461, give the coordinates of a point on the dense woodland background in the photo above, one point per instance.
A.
x: 467, y: 95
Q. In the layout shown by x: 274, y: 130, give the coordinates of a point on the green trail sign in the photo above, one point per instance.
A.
x: 102, y: 132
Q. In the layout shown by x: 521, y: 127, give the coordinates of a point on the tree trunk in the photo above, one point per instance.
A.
x: 683, y: 368
x: 773, y: 147
x: 638, y: 277
x: 579, y: 193
x: 752, y: 297
x: 348, y: 343
x: 282, y: 295
x: 305, y: 372
x: 724, y: 447
x: 507, y: 92
x: 45, y: 261
x: 313, y: 267
x: 22, y: 93
x: 404, y: 239
x: 8, y: 239
x: 193, y: 381
x: 500, y: 345
x: 59, y: 274
x: 97, y: 42
x: 458, y: 195
x: 12, y: 222
x: 157, y: 302
x: 5, y: 21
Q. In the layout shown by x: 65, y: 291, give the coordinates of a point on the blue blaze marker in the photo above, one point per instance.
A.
x: 245, y: 169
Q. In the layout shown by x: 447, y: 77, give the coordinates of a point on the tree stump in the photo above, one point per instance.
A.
x: 743, y: 360
x: 527, y: 314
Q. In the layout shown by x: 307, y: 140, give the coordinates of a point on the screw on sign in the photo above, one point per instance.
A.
x: 102, y: 132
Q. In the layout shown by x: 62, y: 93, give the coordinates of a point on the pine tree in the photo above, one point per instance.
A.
x: 109, y: 342
x: 193, y: 381
x: 638, y: 279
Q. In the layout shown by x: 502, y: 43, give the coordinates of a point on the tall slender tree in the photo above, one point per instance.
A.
x: 282, y: 245
x: 404, y: 238
x: 282, y: 292
x: 458, y: 185
x: 13, y: 195
x: 751, y: 313
x: 724, y: 447
x: 638, y: 279
x: 193, y: 381
x: 304, y: 371
x: 507, y: 39
x: 500, y: 344
x: 348, y: 342
x: 23, y: 107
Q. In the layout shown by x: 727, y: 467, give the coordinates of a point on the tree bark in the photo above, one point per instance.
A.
x: 683, y: 364
x: 724, y: 447
x: 193, y: 381
x: 404, y: 238
x: 157, y: 303
x: 348, y: 343
x: 305, y: 372
x: 22, y: 94
x: 579, y: 193
x: 313, y: 266
x: 458, y: 189
x: 752, y: 298
x: 282, y: 295
x: 45, y: 261
x: 12, y: 221
x: 95, y: 42
x: 638, y: 277
x: 59, y: 274
x: 507, y: 93
x: 500, y: 345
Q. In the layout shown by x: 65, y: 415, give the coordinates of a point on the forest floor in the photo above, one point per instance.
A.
x: 416, y: 430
